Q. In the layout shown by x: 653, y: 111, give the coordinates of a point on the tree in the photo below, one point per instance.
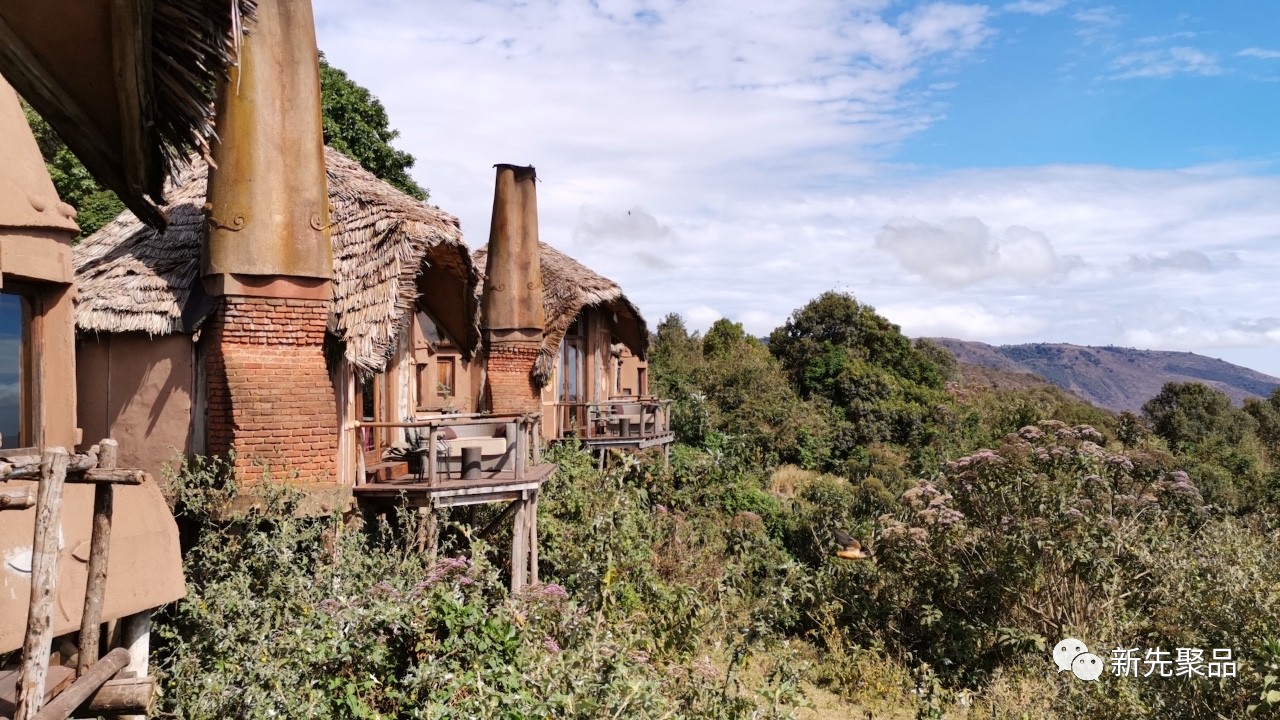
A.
x: 1191, y: 413
x: 837, y: 320
x: 842, y: 351
x: 355, y: 124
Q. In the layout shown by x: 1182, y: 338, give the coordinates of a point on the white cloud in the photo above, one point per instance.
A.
x: 1164, y: 63
x: 1035, y: 7
x: 1259, y: 53
x: 700, y: 317
x: 1103, y: 15
x: 961, y: 321
x: 749, y: 143
x: 962, y: 251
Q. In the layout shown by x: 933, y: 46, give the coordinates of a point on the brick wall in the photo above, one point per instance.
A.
x: 510, y: 371
x: 270, y: 396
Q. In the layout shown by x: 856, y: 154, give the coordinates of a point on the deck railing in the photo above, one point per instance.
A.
x: 430, y: 444
x: 612, y: 419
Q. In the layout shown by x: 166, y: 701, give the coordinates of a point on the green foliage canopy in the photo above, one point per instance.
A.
x: 1187, y: 414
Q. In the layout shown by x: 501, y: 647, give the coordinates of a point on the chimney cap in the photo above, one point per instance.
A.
x: 523, y: 172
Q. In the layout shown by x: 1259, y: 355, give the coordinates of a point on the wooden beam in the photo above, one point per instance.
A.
x: 17, y: 499
x: 502, y: 519
x: 126, y: 696
x: 116, y: 477
x: 62, y: 706
x: 129, y: 59
x: 44, y: 581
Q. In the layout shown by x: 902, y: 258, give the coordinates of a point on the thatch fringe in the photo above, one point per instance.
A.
x: 569, y: 287
x: 193, y: 42
x: 130, y: 278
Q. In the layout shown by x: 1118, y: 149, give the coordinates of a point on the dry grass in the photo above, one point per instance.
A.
x: 787, y: 478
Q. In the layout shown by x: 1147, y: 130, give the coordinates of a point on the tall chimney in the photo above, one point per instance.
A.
x: 268, y: 258
x: 514, y: 318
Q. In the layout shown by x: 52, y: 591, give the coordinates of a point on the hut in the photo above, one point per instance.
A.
x: 403, y: 306
x: 592, y: 364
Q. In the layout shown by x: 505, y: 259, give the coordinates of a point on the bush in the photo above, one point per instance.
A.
x: 291, y: 616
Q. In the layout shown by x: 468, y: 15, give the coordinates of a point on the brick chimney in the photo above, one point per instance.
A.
x: 268, y: 259
x: 512, y: 309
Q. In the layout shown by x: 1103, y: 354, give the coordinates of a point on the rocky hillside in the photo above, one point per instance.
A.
x: 1115, y: 378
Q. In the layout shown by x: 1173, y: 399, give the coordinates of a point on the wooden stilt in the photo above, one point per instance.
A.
x: 533, y: 538
x: 519, y: 546
x: 44, y: 576
x: 433, y: 532
x: 99, y: 549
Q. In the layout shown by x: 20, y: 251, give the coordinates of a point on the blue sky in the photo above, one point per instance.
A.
x: 1039, y: 170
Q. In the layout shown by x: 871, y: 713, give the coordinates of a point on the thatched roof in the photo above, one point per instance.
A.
x: 130, y: 105
x: 391, y: 253
x: 569, y: 287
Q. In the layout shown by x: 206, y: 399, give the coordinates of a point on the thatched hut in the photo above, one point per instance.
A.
x: 404, y: 304
x: 592, y: 367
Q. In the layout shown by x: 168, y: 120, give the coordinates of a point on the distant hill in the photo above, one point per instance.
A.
x: 1115, y: 378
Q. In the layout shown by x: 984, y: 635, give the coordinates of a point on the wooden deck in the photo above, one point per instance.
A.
x: 491, y: 487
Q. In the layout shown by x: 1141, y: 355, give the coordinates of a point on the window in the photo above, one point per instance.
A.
x: 17, y: 418
x: 642, y: 381
x: 368, y: 400
x: 445, y: 377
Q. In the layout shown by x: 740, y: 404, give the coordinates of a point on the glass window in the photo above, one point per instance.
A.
x: 13, y: 394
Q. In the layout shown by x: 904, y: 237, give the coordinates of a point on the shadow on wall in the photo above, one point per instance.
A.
x: 137, y: 389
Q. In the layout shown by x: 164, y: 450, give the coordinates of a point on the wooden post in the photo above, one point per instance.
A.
x: 535, y: 437
x: 519, y: 546
x: 431, y: 454
x: 44, y: 580
x: 433, y: 531
x: 99, y: 550
x: 533, y: 538
x: 522, y: 449
x: 61, y: 707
